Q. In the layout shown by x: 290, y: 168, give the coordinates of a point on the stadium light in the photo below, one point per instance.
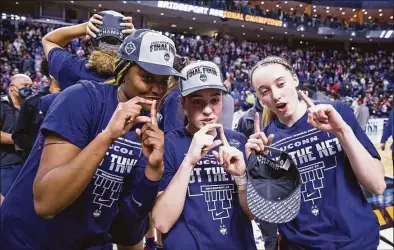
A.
x: 354, y: 10
x: 340, y: 8
x: 138, y: 10
x: 261, y: 28
x: 100, y: 5
x: 381, y: 14
x: 353, y: 33
x: 124, y: 2
x: 71, y: 1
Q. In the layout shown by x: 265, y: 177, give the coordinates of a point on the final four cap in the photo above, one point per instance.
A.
x: 151, y: 51
x: 111, y: 27
x: 274, y: 187
x: 201, y: 75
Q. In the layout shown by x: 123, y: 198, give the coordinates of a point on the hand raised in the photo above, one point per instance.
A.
x: 202, y: 143
x: 258, y: 140
x: 230, y: 157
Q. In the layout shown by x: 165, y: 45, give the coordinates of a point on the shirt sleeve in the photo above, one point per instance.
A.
x: 71, y: 114
x: 170, y: 167
x: 135, y: 203
x: 347, y: 115
x: 65, y: 67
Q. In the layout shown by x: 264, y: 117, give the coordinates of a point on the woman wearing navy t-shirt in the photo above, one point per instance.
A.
x: 334, y: 156
x: 97, y: 155
x: 201, y: 206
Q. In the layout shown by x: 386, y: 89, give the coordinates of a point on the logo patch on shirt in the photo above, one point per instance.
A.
x: 234, y: 143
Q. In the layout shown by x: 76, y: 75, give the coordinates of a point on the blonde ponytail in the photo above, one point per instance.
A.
x: 267, y: 117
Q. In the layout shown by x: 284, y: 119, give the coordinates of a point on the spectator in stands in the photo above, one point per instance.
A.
x: 361, y: 112
x: 353, y: 160
x: 11, y: 162
x: 388, y: 131
x: 31, y: 117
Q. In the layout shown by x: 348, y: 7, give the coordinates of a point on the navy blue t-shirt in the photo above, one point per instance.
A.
x: 46, y: 101
x: 334, y: 213
x: 212, y: 217
x: 171, y: 116
x: 78, y: 114
x: 68, y: 68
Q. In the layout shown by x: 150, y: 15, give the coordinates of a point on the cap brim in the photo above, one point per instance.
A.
x: 282, y: 211
x: 160, y: 70
x: 192, y: 90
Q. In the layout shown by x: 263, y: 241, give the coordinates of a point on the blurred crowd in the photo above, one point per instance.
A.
x: 339, y: 74
x: 343, y: 75
x: 295, y: 17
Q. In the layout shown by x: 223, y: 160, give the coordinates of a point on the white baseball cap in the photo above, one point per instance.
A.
x: 201, y: 75
x: 152, y: 51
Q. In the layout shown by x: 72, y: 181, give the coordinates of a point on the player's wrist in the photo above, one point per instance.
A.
x: 154, y: 173
x: 241, y: 181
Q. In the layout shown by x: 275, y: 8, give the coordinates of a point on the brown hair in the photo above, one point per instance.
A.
x: 268, y: 115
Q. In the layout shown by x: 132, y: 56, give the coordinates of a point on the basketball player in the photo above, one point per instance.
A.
x: 333, y: 155
x: 107, y: 31
x: 198, y: 187
x: 110, y: 160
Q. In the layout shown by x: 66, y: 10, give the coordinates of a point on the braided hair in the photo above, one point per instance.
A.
x: 268, y: 115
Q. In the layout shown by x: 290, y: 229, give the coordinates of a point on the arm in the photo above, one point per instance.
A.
x: 61, y: 178
x: 5, y: 138
x: 173, y: 197
x: 20, y: 135
x: 243, y: 201
x: 368, y: 170
x: 60, y: 37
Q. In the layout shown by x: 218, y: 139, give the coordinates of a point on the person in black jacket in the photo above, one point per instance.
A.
x: 246, y: 122
x: 30, y: 117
